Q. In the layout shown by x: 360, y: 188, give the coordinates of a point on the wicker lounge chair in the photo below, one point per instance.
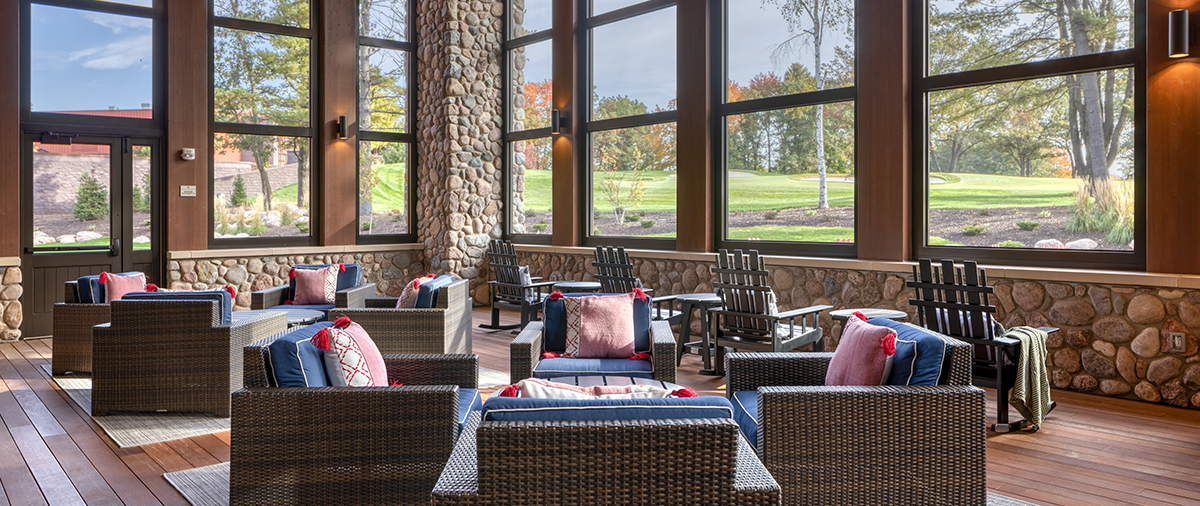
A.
x: 346, y: 445
x: 73, y: 322
x: 614, y: 271
x: 864, y: 445
x: 444, y: 328
x: 525, y: 353
x: 351, y: 291
x: 173, y: 355
x: 508, y: 291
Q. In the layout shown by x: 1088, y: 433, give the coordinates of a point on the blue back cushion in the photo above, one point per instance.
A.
x: 91, y: 290
x: 559, y: 367
x: 745, y: 413
x: 524, y: 409
x: 349, y: 279
x: 295, y: 362
x: 468, y: 400
x: 554, y: 317
x: 427, y: 295
x: 922, y: 357
x: 224, y: 300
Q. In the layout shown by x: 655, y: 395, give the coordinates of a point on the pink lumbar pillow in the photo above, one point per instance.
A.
x: 537, y: 388
x: 316, y: 286
x: 116, y: 286
x: 863, y: 356
x: 408, y: 298
x: 599, y: 326
x: 351, y: 357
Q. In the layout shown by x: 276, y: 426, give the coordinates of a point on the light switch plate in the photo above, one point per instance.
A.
x: 187, y: 190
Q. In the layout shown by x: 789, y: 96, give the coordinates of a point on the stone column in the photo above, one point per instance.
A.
x: 459, y: 125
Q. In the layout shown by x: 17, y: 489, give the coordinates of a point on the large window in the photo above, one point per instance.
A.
x: 529, y: 91
x: 788, y: 115
x: 385, y: 138
x: 1030, y: 113
x: 262, y: 120
x: 630, y: 126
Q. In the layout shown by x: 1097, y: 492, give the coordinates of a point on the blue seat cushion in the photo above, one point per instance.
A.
x: 554, y: 318
x: 526, y: 409
x: 350, y: 278
x: 468, y: 400
x: 295, y: 362
x: 91, y: 290
x: 223, y: 298
x: 314, y: 307
x: 922, y: 357
x: 557, y: 367
x: 745, y: 413
x: 427, y: 294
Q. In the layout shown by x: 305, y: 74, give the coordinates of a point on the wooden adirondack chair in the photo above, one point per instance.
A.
x: 509, y: 291
x: 955, y: 302
x: 614, y: 272
x: 749, y: 321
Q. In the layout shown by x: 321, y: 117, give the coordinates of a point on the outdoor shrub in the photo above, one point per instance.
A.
x: 648, y: 223
x: 367, y: 225
x: 91, y: 200
x: 302, y: 227
x: 973, y: 230
x: 1104, y: 208
x: 141, y: 195
x: 256, y: 226
x: 825, y: 218
x: 595, y: 231
x: 1044, y: 214
x: 239, y: 192
x: 810, y: 212
x: 985, y: 212
x: 1028, y: 225
x: 630, y: 218
x: 1010, y: 244
x: 770, y: 215
x: 540, y: 227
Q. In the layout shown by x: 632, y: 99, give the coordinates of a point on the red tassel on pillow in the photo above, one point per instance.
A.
x: 151, y: 287
x: 104, y: 277
x: 341, y: 267
x: 889, y: 344
x: 321, y: 340
x: 342, y: 322
x: 685, y: 392
x: 288, y: 302
x: 550, y: 354
x: 860, y: 316
x: 397, y: 383
x: 639, y: 356
x: 292, y: 273
x: 555, y: 296
x: 640, y: 295
x: 232, y: 291
x: 509, y: 391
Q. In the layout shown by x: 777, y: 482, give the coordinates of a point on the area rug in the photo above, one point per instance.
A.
x: 491, y: 378
x: 209, y: 486
x: 128, y: 430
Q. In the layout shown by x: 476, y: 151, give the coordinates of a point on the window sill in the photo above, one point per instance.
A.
x: 304, y: 250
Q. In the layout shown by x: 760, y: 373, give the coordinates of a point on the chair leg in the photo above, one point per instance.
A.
x: 496, y: 321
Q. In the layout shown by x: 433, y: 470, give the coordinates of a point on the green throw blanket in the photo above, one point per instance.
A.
x: 1030, y: 393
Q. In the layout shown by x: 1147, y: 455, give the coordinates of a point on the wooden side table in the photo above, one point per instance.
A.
x: 703, y: 302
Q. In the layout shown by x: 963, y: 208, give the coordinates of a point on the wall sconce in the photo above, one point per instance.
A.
x: 559, y: 121
x: 1179, y: 36
x: 343, y: 129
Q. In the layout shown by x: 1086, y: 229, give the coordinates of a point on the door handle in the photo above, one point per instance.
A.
x: 115, y: 249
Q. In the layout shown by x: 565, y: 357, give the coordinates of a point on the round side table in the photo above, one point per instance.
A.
x: 842, y: 315
x: 704, y: 302
x: 577, y: 286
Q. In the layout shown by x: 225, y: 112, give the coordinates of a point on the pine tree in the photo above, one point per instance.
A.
x: 91, y: 200
x: 239, y: 192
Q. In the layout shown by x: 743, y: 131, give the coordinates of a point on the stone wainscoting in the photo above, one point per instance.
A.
x: 388, y: 270
x: 10, y: 303
x: 1113, y: 340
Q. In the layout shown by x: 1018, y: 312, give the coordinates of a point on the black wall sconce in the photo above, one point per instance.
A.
x: 343, y: 129
x: 559, y: 121
x: 1179, y: 34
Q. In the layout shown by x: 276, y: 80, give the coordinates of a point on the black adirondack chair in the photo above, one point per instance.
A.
x: 508, y: 291
x: 956, y: 302
x: 614, y: 272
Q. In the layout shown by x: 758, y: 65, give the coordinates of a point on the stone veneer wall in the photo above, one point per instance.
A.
x: 388, y: 270
x: 10, y: 295
x: 459, y: 206
x: 1112, y: 342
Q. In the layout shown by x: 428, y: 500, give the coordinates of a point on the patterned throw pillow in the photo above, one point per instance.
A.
x: 599, y: 326
x: 351, y: 357
x: 316, y: 286
x: 116, y: 286
x: 538, y: 388
x: 408, y: 299
x: 863, y: 356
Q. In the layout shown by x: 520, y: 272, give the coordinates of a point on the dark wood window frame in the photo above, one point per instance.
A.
x: 510, y: 136
x: 408, y: 137
x: 1134, y: 58
x: 310, y: 132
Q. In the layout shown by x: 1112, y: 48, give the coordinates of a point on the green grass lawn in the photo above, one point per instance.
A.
x: 102, y: 241
x: 389, y: 194
x: 792, y: 233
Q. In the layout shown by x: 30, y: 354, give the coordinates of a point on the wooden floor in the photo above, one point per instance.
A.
x: 1092, y: 450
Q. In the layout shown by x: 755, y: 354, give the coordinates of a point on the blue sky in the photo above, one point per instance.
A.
x: 87, y: 60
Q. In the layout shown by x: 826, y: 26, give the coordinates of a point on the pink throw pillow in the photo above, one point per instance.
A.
x: 863, y: 356
x: 116, y: 286
x: 351, y: 357
x: 408, y: 299
x: 599, y: 326
x: 316, y: 286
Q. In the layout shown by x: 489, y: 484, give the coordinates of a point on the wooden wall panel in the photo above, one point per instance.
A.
x: 568, y: 203
x: 10, y: 129
x: 187, y: 123
x: 335, y: 181
x: 884, y: 168
x: 694, y: 130
x: 1172, y: 146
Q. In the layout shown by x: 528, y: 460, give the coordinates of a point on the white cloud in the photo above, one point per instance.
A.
x: 117, y: 55
x: 118, y: 24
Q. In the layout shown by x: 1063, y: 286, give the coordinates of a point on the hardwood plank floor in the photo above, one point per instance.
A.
x: 1092, y: 451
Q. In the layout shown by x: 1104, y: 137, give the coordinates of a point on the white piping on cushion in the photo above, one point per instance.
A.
x: 560, y: 408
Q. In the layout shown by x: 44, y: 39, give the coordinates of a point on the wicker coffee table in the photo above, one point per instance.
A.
x: 295, y: 317
x: 591, y: 381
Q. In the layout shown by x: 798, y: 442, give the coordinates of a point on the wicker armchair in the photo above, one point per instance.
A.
x: 172, y: 355
x: 444, y: 328
x: 701, y: 461
x: 526, y: 351
x: 73, y: 322
x: 865, y: 445
x: 614, y: 272
x: 346, y: 445
x: 351, y: 292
